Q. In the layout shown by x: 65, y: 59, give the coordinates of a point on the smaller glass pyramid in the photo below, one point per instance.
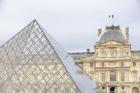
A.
x: 33, y: 62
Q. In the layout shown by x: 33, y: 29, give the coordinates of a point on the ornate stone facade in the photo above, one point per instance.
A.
x: 114, y: 66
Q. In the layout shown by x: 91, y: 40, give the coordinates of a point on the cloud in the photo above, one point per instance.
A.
x: 1, y: 3
x: 73, y: 23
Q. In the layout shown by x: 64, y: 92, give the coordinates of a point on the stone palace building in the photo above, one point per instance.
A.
x: 114, y: 65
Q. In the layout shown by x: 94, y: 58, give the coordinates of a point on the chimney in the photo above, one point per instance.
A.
x: 99, y: 32
x: 127, y: 33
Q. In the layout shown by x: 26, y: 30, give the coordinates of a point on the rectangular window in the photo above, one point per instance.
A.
x: 122, y: 64
x: 134, y: 75
x: 122, y: 76
x: 91, y: 64
x: 102, y: 64
x: 103, y: 76
x: 134, y: 64
x: 112, y: 76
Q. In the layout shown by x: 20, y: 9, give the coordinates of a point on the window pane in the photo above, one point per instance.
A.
x: 112, y: 76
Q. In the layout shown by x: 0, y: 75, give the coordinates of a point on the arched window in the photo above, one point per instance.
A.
x: 112, y: 76
x: 112, y: 90
x: 135, y: 90
x: 134, y: 75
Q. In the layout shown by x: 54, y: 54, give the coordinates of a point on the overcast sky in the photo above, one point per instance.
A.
x: 73, y: 23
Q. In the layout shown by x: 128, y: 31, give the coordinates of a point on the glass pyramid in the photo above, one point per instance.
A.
x: 33, y: 62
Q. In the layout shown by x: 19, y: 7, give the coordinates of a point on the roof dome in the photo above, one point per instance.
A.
x: 112, y: 33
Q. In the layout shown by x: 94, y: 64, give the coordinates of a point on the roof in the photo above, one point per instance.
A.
x: 80, y: 53
x: 112, y: 33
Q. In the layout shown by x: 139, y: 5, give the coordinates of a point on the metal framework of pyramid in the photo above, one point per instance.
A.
x: 33, y: 62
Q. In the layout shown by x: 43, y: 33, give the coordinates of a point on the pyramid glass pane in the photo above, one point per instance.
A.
x: 29, y: 63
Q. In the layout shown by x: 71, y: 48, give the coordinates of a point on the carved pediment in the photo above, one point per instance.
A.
x: 112, y: 43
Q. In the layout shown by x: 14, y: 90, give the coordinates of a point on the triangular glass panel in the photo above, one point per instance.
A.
x: 31, y: 62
